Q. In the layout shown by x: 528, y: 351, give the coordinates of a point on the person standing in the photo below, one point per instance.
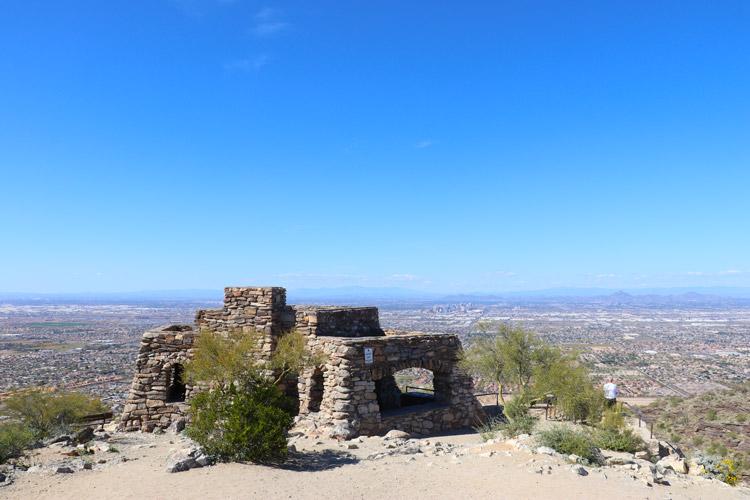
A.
x: 610, y: 393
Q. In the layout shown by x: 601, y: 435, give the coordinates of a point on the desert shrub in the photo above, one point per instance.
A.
x: 247, y: 423
x: 14, y: 438
x: 570, y: 382
x: 507, y: 428
x: 741, y: 418
x: 612, y: 420
x: 46, y: 413
x: 241, y: 414
x: 491, y: 428
x: 711, y: 414
x: 618, y: 440
x: 570, y: 442
x: 724, y: 469
x: 520, y: 425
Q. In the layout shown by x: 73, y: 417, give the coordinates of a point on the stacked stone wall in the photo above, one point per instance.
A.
x: 161, y: 349
x: 341, y: 394
x: 350, y: 400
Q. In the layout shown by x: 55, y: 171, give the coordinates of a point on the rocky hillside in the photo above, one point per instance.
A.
x: 714, y: 423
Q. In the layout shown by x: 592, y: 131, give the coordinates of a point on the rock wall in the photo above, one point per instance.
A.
x: 160, y: 351
x: 342, y: 396
x: 349, y: 403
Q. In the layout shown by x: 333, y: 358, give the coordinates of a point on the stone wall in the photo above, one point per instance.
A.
x: 340, y: 396
x: 349, y: 403
x: 147, y: 406
x: 337, y: 321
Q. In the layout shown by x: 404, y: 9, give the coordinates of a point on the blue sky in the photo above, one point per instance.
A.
x: 446, y: 146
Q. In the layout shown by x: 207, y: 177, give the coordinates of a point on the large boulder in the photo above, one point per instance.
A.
x: 673, y: 462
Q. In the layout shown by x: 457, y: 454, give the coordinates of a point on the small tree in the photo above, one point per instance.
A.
x: 242, y: 414
x: 45, y: 412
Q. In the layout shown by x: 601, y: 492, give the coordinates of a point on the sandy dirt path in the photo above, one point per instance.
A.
x: 330, y: 470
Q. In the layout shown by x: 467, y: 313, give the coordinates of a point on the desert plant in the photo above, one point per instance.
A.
x: 724, y: 469
x: 242, y: 423
x: 618, y: 440
x: 14, y: 438
x: 241, y: 414
x: 570, y: 383
x: 571, y: 442
x: 45, y: 413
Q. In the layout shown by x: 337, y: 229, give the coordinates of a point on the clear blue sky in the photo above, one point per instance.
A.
x: 447, y: 146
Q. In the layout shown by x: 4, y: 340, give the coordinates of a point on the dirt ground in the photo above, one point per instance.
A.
x: 462, y: 467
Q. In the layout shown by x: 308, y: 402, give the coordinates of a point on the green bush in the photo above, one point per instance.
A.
x: 14, y: 438
x: 522, y: 425
x: 618, y: 440
x: 246, y: 424
x: 46, y: 413
x: 570, y: 442
x: 244, y: 416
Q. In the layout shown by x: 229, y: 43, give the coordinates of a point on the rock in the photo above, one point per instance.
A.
x: 64, y: 470
x: 617, y: 458
x: 573, y: 459
x: 88, y: 466
x: 342, y: 431
x: 674, y: 463
x: 545, y: 450
x: 396, y: 434
x: 187, y: 458
x: 580, y: 470
x: 64, y: 439
x: 3, y: 477
x: 642, y: 455
x: 84, y: 435
x: 177, y: 426
x: 352, y: 446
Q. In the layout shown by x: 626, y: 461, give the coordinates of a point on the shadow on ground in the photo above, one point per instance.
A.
x: 315, y: 461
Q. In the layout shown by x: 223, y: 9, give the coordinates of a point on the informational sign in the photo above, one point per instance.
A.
x: 368, y: 356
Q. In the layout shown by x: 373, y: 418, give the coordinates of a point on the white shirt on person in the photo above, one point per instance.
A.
x: 610, y: 391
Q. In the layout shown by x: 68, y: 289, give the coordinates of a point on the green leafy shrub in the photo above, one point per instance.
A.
x: 46, y: 413
x: 14, y: 438
x: 241, y: 424
x: 618, y: 440
x: 571, y: 442
x: 241, y: 414
x: 711, y: 414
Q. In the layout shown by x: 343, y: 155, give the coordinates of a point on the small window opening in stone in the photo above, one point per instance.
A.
x: 175, y: 384
x: 316, y: 391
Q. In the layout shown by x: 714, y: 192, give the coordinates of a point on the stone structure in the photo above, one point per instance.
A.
x: 355, y: 392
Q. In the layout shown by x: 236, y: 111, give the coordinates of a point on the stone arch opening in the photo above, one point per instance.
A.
x: 408, y: 389
x: 176, y: 388
x: 316, y: 390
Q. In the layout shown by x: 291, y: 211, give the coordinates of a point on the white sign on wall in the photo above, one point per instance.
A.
x: 368, y: 356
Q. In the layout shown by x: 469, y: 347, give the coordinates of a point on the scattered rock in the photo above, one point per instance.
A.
x: 186, y: 459
x: 84, y: 435
x: 352, y: 446
x: 342, y: 431
x: 396, y: 434
x: 64, y: 440
x: 617, y: 458
x: 88, y: 466
x: 674, y: 463
x: 642, y: 455
x: 178, y: 426
x: 580, y: 470
x: 64, y: 470
x: 545, y: 450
